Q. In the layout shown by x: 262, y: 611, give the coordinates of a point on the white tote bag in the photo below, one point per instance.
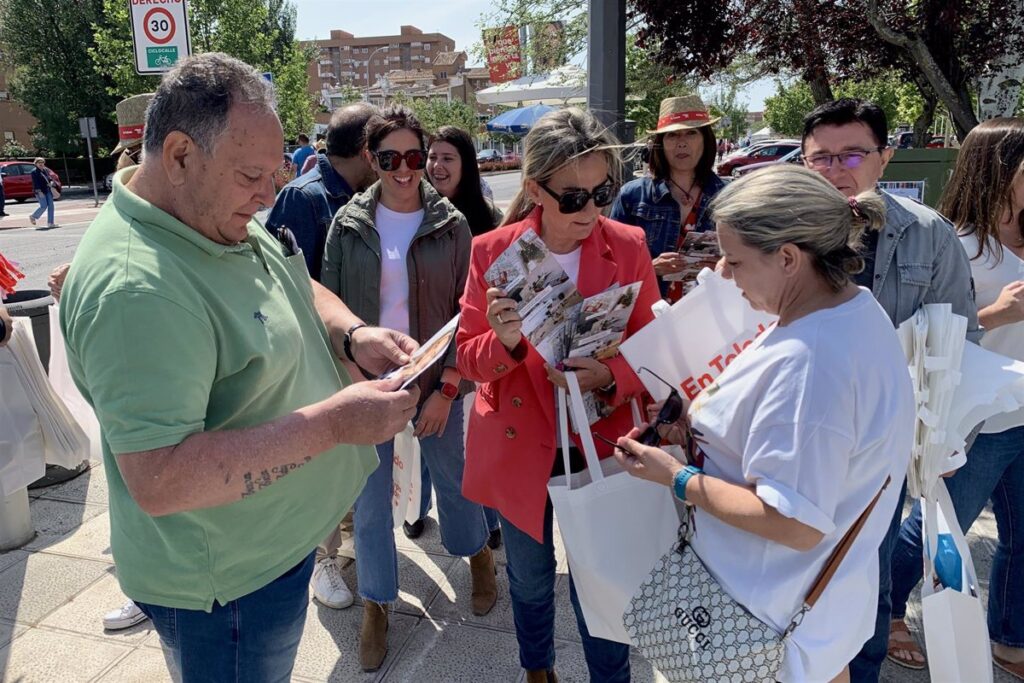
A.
x: 21, y: 437
x: 955, y: 630
x: 691, y: 343
x: 65, y: 388
x: 406, y: 479
x: 614, y: 526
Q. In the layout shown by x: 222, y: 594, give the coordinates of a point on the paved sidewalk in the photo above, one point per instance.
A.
x: 54, y: 591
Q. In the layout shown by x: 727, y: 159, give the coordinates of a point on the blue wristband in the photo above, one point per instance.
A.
x: 683, y: 476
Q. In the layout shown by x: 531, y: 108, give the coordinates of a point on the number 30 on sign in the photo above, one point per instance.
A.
x: 160, y: 34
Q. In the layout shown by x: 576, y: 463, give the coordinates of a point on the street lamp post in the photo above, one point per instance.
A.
x: 369, y: 62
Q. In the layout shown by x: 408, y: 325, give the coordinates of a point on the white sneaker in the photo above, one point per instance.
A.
x: 329, y: 587
x: 123, y: 618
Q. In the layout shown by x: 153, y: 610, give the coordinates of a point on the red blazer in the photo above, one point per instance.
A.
x: 512, y: 437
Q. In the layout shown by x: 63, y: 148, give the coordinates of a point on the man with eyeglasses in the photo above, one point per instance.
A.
x: 915, y: 259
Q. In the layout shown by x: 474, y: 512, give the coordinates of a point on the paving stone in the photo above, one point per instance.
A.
x: 420, y: 576
x: 11, y: 557
x: 452, y: 603
x: 91, y: 540
x: 53, y: 519
x: 141, y: 665
x: 8, y: 632
x: 46, y: 656
x: 33, y: 588
x: 329, y: 650
x: 88, y: 487
x: 442, y: 652
x: 84, y: 614
x: 571, y: 665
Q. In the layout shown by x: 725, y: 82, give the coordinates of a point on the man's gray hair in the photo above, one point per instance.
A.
x: 196, y: 95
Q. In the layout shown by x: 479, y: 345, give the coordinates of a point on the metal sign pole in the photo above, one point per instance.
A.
x: 92, y: 169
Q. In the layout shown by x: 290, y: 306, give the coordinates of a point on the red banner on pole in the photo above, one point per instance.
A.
x: 504, y: 53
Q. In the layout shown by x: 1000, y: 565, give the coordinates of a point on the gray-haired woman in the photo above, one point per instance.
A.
x: 801, y: 431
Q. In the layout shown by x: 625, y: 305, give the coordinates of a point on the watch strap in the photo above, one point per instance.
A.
x: 683, y: 476
x: 347, y: 346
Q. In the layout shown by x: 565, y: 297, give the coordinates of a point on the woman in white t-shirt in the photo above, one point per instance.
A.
x: 398, y: 255
x: 985, y: 200
x: 803, y: 429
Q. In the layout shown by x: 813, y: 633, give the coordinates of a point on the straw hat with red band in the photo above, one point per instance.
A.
x: 680, y: 113
x: 131, y: 121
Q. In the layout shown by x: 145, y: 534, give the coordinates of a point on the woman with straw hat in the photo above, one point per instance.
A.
x: 674, y: 200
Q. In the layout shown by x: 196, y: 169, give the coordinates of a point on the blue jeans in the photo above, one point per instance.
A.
x: 531, y: 578
x: 426, y: 499
x: 866, y: 667
x: 463, y: 526
x: 253, y: 638
x: 994, y: 471
x: 45, y: 200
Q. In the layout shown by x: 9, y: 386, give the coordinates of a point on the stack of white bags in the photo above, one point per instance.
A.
x: 38, y: 423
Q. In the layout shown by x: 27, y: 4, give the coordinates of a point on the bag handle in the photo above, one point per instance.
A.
x: 832, y: 565
x: 572, y: 400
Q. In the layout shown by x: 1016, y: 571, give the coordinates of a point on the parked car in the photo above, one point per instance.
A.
x: 488, y: 155
x: 767, y: 152
x: 791, y: 158
x: 18, y: 180
x: 511, y: 157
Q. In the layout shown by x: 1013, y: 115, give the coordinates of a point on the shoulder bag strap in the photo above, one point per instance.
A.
x: 829, y: 570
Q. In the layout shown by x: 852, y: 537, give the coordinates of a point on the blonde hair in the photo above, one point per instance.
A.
x: 786, y: 204
x: 556, y: 140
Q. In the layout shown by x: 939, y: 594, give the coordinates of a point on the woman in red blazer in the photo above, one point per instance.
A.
x: 571, y: 170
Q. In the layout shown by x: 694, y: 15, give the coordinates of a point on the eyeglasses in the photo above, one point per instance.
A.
x: 573, y: 201
x: 669, y: 413
x: 848, y: 160
x: 390, y: 160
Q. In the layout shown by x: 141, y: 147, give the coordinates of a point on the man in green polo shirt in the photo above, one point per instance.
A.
x: 211, y: 360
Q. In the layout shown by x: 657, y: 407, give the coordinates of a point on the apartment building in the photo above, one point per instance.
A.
x: 361, y: 61
x: 15, y: 121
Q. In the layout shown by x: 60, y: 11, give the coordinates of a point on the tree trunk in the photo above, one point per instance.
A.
x: 923, y: 123
x: 999, y: 89
x: 821, y: 90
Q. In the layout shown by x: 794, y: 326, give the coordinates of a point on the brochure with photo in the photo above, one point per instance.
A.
x: 429, y: 353
x: 557, y: 321
x: 700, y: 250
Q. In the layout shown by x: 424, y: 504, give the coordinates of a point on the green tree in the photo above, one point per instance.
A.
x: 725, y: 103
x: 436, y: 112
x: 784, y: 111
x: 46, y: 44
x: 259, y: 33
x: 647, y: 84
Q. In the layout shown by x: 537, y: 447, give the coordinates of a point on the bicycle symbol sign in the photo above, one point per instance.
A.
x: 159, y: 26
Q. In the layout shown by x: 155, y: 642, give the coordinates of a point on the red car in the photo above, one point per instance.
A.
x: 18, y: 180
x: 771, y: 152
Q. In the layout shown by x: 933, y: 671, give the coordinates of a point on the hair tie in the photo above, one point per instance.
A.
x: 855, y: 207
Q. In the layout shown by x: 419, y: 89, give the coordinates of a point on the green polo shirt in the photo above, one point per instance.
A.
x: 169, y: 334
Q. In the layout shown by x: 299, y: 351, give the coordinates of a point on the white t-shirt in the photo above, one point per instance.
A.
x: 396, y: 231
x: 990, y: 277
x: 570, y: 263
x: 815, y: 416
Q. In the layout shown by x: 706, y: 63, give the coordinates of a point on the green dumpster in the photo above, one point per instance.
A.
x: 919, y: 173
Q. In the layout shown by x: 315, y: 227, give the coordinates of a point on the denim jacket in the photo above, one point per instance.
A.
x: 648, y: 204
x: 919, y: 260
x: 307, y: 206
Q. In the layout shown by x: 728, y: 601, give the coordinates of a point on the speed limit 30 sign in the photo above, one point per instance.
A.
x: 159, y: 34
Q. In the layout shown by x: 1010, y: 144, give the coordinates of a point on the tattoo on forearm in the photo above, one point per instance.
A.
x: 254, y: 482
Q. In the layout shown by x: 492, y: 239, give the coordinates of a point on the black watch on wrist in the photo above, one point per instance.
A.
x: 348, y: 340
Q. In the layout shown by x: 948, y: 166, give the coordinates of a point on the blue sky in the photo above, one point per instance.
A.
x: 457, y: 19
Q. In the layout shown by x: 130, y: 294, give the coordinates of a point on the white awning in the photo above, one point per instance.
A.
x: 564, y: 85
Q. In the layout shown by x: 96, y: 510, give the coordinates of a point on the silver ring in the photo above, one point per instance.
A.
x: 500, y: 320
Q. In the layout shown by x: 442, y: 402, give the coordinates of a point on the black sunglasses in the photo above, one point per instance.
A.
x: 572, y: 201
x: 390, y: 160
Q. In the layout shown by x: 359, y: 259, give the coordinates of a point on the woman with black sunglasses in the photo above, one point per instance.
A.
x: 398, y: 255
x: 571, y: 170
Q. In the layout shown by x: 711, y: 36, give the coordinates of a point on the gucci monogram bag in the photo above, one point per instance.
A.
x: 693, y: 631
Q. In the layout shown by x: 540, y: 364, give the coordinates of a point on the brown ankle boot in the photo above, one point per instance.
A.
x: 541, y: 676
x: 373, y: 637
x: 485, y: 585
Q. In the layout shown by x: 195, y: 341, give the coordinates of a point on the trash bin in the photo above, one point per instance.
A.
x: 15, y: 524
x: 34, y: 304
